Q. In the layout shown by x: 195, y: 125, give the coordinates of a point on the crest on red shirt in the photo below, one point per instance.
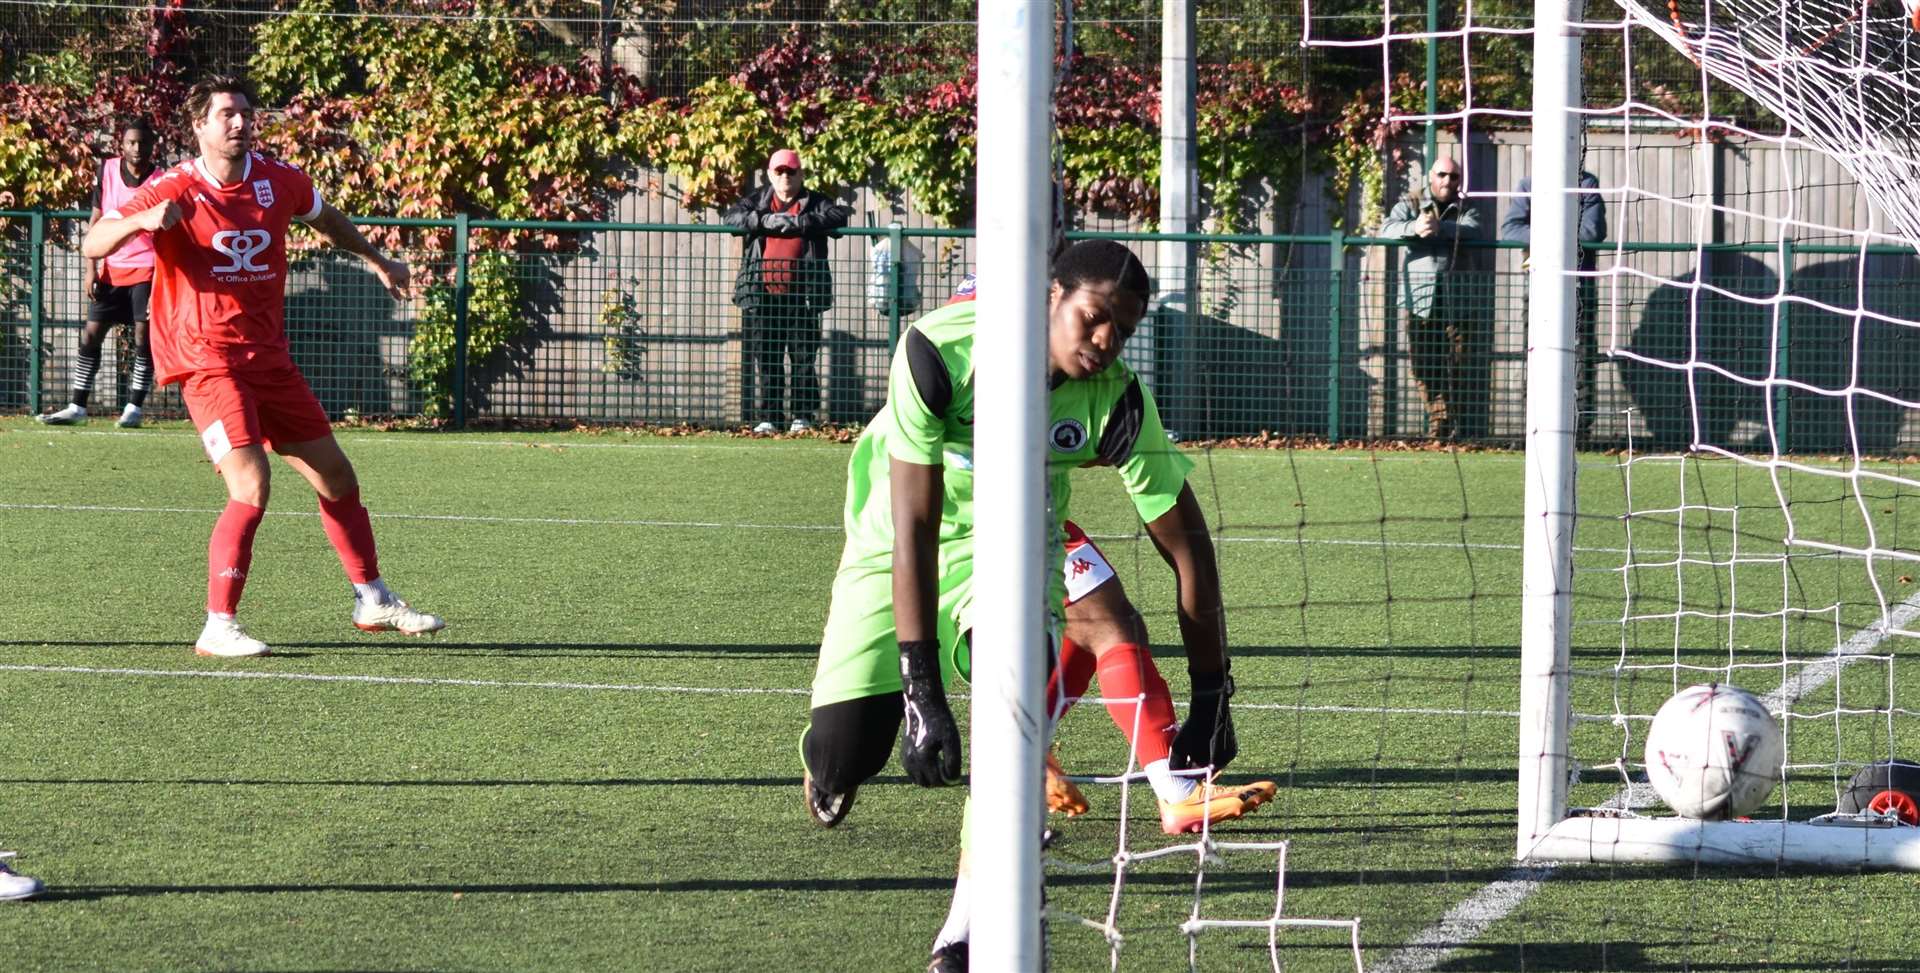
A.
x: 263, y: 193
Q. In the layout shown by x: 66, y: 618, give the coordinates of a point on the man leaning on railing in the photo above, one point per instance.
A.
x: 1450, y: 351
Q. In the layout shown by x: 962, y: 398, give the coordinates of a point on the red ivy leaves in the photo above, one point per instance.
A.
x: 585, y: 77
x: 1102, y: 91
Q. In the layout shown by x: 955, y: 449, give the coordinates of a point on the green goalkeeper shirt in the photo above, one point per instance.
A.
x: 1106, y: 420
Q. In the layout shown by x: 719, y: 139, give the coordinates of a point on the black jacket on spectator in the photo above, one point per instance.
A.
x: 819, y: 219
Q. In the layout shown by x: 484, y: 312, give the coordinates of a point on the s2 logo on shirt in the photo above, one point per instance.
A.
x: 242, y: 246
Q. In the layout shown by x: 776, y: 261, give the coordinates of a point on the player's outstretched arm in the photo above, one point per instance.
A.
x: 1206, y: 738
x: 930, y: 741
x: 108, y: 233
x: 1182, y: 537
x: 334, y: 227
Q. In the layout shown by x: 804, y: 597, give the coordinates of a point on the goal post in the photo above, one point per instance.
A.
x: 1010, y: 726
x: 1546, y: 570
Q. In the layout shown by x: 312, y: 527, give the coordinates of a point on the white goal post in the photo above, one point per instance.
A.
x: 1615, y: 830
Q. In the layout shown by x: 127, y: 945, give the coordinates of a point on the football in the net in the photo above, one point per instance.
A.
x: 1714, y: 752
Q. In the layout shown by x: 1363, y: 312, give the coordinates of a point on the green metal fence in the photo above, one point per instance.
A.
x: 1289, y: 335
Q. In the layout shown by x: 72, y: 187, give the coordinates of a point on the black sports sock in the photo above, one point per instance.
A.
x: 85, y: 364
x: 142, y: 377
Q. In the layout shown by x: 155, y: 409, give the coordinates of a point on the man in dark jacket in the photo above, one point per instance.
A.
x: 783, y: 287
x: 1518, y: 227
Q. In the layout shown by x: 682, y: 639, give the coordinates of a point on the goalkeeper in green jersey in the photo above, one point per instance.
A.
x: 897, y: 627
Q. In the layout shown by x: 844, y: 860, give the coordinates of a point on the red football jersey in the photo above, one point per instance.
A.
x: 220, y: 274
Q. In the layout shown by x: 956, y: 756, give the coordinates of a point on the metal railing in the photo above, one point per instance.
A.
x: 1283, y: 334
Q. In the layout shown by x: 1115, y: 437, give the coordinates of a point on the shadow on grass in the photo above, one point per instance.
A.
x: 415, y: 645
x: 558, y: 650
x: 727, y: 782
x: 786, y: 885
x: 1217, y: 882
x: 1347, y: 778
x: 184, y: 643
x: 1454, y: 652
x: 1463, y: 653
x: 1634, y: 955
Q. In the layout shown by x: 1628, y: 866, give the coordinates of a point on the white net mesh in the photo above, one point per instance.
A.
x: 1749, y: 340
x: 1844, y: 76
x: 1753, y: 525
x: 1210, y: 856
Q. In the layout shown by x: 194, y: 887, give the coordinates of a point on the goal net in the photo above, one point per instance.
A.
x: 1744, y: 345
x: 1749, y: 530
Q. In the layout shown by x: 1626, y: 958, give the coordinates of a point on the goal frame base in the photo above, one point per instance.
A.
x: 1621, y: 840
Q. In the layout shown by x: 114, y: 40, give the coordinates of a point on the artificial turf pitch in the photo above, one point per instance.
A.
x: 595, y: 765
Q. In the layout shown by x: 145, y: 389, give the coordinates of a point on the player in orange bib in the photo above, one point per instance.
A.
x: 219, y: 229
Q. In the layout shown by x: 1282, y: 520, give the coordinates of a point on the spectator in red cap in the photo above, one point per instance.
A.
x: 783, y: 287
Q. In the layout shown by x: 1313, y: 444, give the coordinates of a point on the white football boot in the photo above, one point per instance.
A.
x: 15, y: 886
x: 223, y: 637
x: 130, y: 417
x: 72, y: 415
x: 394, y: 616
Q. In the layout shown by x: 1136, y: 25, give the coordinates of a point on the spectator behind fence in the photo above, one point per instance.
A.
x: 117, y: 287
x: 783, y: 287
x: 1450, y: 349
x: 1593, y: 226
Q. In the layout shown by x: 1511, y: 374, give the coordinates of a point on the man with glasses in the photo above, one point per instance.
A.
x: 1450, y: 352
x: 783, y: 287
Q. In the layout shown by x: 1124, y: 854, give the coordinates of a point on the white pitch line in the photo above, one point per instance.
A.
x: 404, y: 680
x: 702, y: 525
x: 1381, y: 711
x: 434, y: 439
x: 739, y: 442
x: 1467, y: 921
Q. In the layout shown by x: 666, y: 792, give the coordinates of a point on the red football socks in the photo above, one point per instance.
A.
x: 1127, y: 673
x: 230, y: 554
x: 351, y: 533
x: 1076, y: 666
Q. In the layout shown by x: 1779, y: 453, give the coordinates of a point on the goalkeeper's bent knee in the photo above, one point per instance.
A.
x: 848, y: 742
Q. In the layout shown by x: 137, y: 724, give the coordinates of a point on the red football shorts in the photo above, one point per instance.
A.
x: 260, y: 407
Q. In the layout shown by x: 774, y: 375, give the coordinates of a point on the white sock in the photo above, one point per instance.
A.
x: 1166, y: 786
x: 374, y: 592
x: 218, y: 617
x: 959, y: 915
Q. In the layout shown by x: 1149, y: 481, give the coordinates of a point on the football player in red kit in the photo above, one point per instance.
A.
x: 219, y: 224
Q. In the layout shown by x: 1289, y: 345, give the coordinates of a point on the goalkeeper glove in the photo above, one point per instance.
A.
x: 930, y: 740
x: 1206, y: 739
